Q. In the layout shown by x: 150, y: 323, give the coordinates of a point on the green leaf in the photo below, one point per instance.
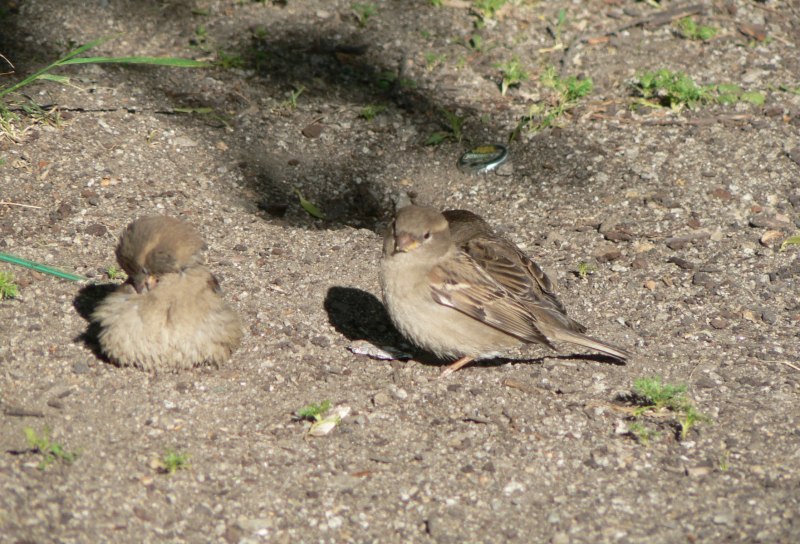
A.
x: 729, y: 88
x: 309, y: 207
x: 754, y: 97
x: 436, y: 138
x: 791, y: 241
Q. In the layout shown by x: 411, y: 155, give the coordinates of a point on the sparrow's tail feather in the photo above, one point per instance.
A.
x: 564, y: 335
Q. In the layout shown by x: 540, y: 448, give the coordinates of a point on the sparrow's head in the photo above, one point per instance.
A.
x: 153, y: 246
x: 418, y: 229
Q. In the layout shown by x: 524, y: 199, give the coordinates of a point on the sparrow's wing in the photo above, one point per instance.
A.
x: 513, y: 270
x: 462, y: 284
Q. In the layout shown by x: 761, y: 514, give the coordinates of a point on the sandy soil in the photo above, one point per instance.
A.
x: 668, y: 208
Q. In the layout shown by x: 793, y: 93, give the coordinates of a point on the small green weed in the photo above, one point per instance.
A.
x: 172, y: 461
x: 672, y: 89
x: 229, y: 61
x: 114, y: 273
x: 692, y: 31
x: 677, y: 90
x: 200, y: 34
x: 291, y: 102
x: 724, y: 461
x: 585, y: 269
x: 260, y: 33
x: 476, y: 43
x: 727, y: 93
x: 513, y: 74
x: 314, y: 412
x: 558, y: 30
x: 789, y: 89
x: 432, y: 60
x: 487, y: 9
x: 363, y: 12
x: 50, y: 451
x: 657, y: 396
x: 453, y: 124
x: 371, y: 111
x: 643, y: 433
x: 436, y: 3
x: 791, y: 241
x: 323, y: 417
x: 8, y: 289
x: 388, y: 80
x: 567, y: 93
x: 570, y: 88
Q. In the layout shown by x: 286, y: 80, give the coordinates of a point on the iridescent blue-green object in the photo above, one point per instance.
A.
x: 483, y: 158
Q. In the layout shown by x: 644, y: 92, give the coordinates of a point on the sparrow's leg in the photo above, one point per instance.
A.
x: 455, y: 366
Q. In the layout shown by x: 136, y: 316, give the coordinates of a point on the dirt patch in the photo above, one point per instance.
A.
x: 667, y: 209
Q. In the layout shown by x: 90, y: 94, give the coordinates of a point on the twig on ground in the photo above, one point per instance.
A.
x: 787, y: 363
x: 4, y: 203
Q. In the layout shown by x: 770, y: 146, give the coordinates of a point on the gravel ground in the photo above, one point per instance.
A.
x: 679, y: 216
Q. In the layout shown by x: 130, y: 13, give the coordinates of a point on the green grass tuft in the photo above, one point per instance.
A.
x: 692, y: 31
x: 568, y: 91
x: 513, y: 74
x: 50, y: 451
x: 8, y: 289
x: 314, y: 412
x: 172, y: 461
x: 656, y: 396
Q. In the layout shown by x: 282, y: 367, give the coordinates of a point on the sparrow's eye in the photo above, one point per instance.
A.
x: 426, y: 235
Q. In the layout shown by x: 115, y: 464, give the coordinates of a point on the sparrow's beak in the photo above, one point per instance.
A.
x: 144, y: 281
x: 405, y: 242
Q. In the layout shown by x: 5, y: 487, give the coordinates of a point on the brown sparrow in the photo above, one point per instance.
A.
x: 455, y: 288
x: 170, y: 315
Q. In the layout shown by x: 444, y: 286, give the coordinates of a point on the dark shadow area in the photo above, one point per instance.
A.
x: 359, y: 315
x: 337, y: 67
x: 85, y: 303
x: 596, y: 357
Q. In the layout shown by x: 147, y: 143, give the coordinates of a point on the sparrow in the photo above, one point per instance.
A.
x: 156, y: 245
x: 457, y: 289
x: 170, y: 314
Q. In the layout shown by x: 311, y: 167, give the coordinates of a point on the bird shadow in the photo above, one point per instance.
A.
x: 359, y: 315
x: 85, y: 303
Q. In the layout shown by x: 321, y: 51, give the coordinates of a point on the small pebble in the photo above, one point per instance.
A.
x: 769, y: 317
x: 719, y: 323
x: 703, y: 279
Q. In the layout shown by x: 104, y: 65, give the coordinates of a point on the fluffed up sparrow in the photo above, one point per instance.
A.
x: 170, y: 315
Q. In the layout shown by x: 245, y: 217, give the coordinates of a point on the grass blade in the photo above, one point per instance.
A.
x: 156, y: 61
x: 309, y: 207
x: 69, y: 58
